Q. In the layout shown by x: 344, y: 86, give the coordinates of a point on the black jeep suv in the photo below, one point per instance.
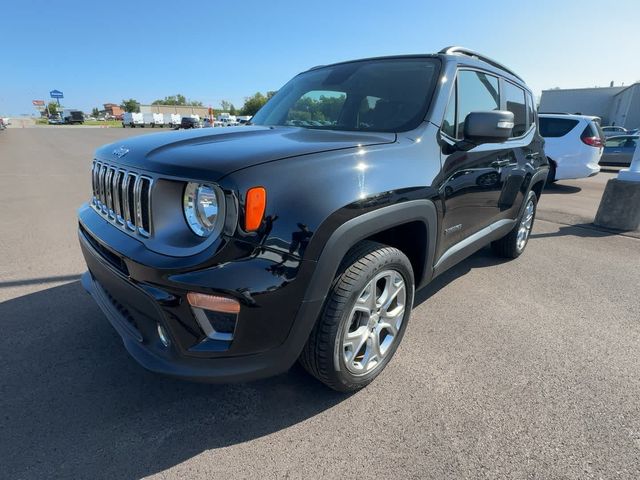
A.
x: 228, y: 254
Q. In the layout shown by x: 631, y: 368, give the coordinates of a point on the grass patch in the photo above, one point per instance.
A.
x: 109, y: 123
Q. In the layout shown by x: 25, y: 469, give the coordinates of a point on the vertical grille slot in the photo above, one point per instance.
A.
x: 129, y: 201
x: 123, y: 197
x: 103, y: 192
x: 94, y: 180
x: 108, y: 186
x: 117, y: 196
x: 144, y: 206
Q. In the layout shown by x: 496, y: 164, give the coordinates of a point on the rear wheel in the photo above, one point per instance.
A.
x: 364, y: 318
x: 513, y: 244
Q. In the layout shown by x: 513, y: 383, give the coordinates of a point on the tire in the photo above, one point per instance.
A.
x: 513, y: 244
x: 348, y: 348
x: 551, y: 178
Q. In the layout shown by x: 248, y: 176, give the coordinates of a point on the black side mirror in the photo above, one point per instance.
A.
x: 488, y: 127
x: 494, y: 126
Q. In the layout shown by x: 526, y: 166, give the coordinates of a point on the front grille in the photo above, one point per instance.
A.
x: 123, y: 197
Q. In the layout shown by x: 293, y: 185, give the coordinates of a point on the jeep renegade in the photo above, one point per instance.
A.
x: 227, y: 254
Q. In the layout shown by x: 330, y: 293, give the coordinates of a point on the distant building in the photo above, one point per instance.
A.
x: 183, y: 110
x: 615, y: 105
x: 113, y: 110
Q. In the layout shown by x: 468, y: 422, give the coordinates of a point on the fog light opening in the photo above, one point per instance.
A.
x: 164, y: 338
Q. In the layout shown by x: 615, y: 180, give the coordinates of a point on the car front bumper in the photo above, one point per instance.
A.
x: 269, y: 335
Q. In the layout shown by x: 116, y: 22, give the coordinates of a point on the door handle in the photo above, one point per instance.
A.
x: 501, y: 163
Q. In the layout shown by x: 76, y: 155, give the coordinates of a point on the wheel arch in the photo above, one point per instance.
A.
x: 389, y: 225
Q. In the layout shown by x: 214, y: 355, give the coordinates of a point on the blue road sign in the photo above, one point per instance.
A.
x: 56, y: 94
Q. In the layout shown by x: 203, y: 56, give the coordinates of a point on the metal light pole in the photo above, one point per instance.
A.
x: 620, y: 205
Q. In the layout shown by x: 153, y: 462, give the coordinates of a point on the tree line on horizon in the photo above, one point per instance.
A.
x: 251, y: 104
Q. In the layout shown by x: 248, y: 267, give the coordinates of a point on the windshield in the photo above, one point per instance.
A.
x: 389, y: 95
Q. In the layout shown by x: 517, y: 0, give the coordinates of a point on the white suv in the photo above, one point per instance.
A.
x: 573, y: 145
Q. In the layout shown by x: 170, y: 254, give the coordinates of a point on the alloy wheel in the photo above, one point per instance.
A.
x: 374, y: 322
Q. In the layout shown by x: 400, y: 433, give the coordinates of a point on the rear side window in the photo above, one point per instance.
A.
x: 477, y: 92
x: 556, y: 127
x: 515, y: 103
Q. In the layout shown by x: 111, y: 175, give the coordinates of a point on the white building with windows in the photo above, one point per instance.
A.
x: 614, y: 105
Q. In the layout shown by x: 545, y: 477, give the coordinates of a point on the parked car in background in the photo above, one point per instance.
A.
x: 619, y: 150
x: 190, y: 122
x: 55, y: 119
x: 243, y: 119
x: 611, y: 130
x: 132, y: 119
x: 221, y: 255
x: 573, y: 145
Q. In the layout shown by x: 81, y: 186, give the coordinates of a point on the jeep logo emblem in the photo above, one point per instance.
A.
x: 120, y: 152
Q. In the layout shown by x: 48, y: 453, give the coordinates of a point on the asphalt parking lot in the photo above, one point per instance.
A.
x: 521, y: 369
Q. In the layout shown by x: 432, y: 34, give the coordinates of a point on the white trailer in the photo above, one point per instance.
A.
x: 133, y: 120
x: 158, y: 119
x: 172, y: 119
x: 153, y: 119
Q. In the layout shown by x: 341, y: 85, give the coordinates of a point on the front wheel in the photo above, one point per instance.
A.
x: 513, y: 244
x: 364, y: 318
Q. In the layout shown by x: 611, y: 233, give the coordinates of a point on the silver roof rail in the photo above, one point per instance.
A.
x: 470, y: 53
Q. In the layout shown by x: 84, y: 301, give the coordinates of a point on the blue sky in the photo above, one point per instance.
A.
x: 97, y: 52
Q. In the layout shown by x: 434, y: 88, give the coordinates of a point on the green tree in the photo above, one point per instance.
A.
x: 177, y: 99
x: 95, y: 112
x: 253, y: 104
x: 233, y: 110
x: 225, y: 105
x: 130, y: 105
x: 53, y: 108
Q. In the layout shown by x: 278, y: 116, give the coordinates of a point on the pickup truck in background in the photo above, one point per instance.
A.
x: 71, y: 116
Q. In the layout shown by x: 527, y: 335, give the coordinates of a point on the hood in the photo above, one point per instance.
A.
x: 211, y: 153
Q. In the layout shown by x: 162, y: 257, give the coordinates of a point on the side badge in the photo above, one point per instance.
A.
x: 455, y: 228
x: 120, y: 152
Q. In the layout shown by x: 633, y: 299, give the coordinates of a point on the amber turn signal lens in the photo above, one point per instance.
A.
x: 213, y: 302
x: 255, y: 206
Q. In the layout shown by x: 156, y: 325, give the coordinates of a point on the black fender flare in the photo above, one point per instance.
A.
x: 363, y: 226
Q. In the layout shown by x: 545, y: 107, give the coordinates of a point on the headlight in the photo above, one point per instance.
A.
x: 203, y: 208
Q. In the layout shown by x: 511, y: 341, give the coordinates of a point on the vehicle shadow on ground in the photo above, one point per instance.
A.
x: 482, y: 258
x: 74, y: 405
x: 559, y: 188
x: 583, y: 230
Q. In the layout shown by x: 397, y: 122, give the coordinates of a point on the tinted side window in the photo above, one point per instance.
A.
x: 449, y: 121
x: 477, y: 92
x: 556, y: 127
x: 514, y: 98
